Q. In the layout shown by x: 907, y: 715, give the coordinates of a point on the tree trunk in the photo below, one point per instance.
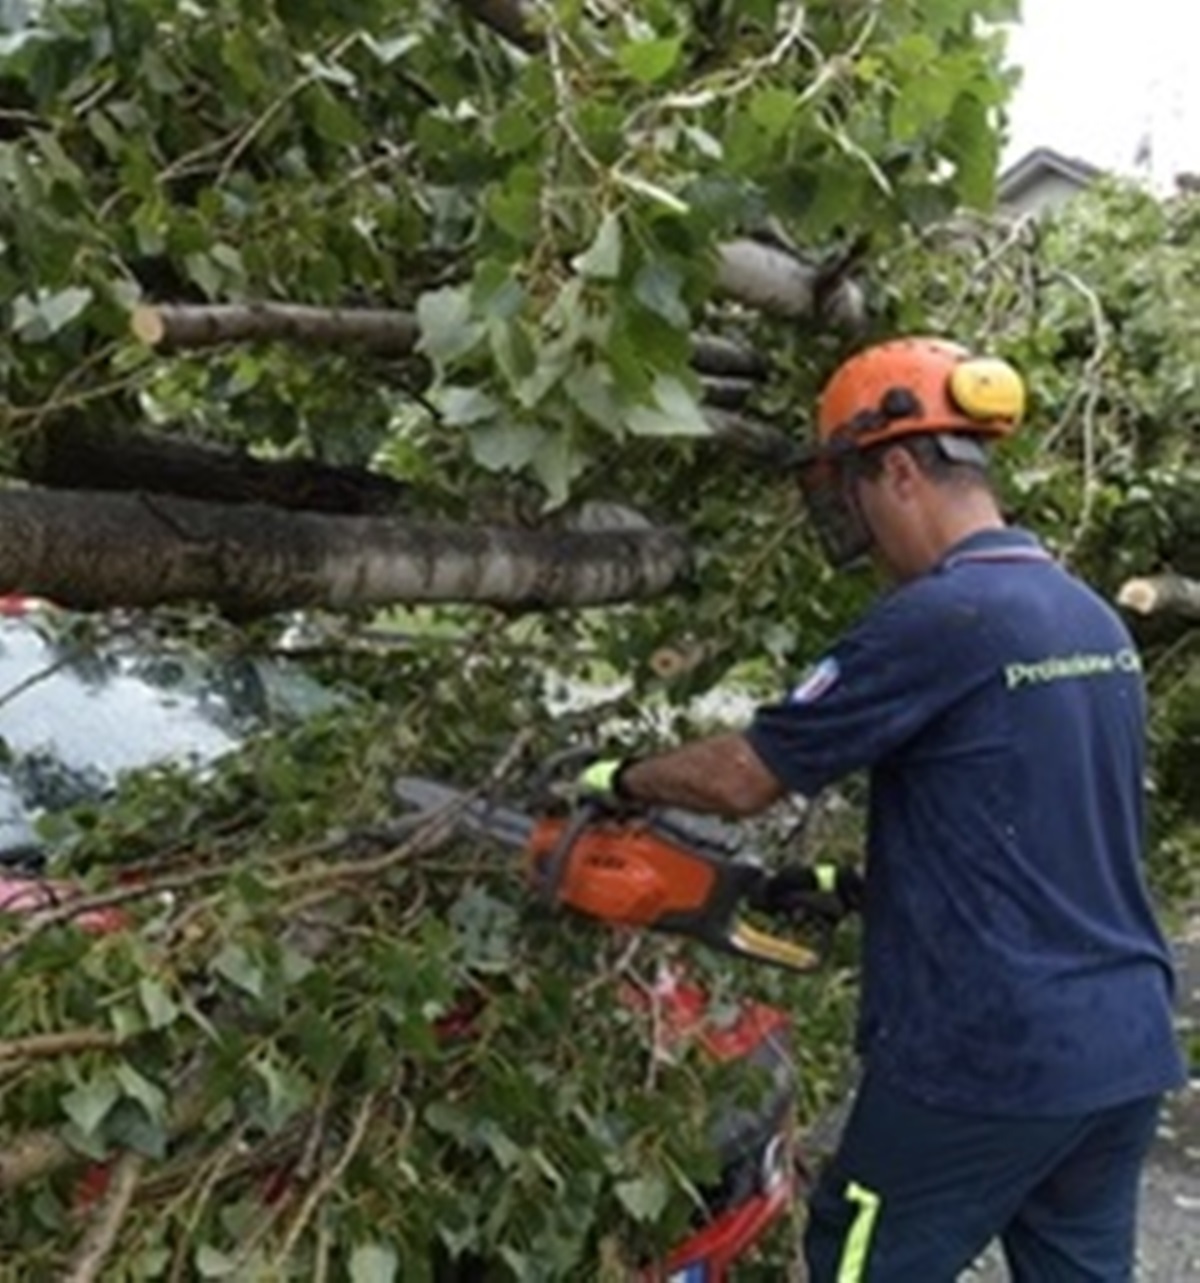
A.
x: 92, y: 551
x: 72, y: 455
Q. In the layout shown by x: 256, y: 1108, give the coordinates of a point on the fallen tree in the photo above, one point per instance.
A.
x: 89, y: 550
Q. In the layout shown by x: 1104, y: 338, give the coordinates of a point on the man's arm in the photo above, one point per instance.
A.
x: 721, y: 774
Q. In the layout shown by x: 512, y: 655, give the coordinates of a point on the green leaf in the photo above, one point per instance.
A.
x: 674, y: 413
x: 373, y: 1263
x: 462, y: 406
x: 505, y: 447
x: 129, y: 1126
x: 287, y: 1093
x: 212, y: 1264
x: 516, y: 128
x: 39, y: 317
x: 557, y: 463
x: 592, y: 391
x: 240, y: 969
x: 512, y: 350
x: 659, y: 288
x: 203, y: 271
x: 88, y: 1104
x: 650, y: 60
x: 773, y: 109
x: 332, y: 119
x: 515, y: 205
x: 500, y: 1145
x: 137, y: 1087
x: 644, y: 1198
x: 601, y: 261
x: 448, y: 327
x: 387, y: 51
x: 157, y: 1003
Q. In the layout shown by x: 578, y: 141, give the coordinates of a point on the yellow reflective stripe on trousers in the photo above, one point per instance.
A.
x: 858, y: 1241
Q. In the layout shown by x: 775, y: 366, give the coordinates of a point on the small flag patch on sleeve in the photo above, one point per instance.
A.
x: 820, y: 678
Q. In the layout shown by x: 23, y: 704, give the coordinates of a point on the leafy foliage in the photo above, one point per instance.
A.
x: 336, y: 1054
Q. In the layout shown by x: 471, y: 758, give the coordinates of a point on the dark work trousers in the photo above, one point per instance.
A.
x: 914, y: 1194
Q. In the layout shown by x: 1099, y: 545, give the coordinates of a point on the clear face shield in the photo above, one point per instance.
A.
x: 827, y: 485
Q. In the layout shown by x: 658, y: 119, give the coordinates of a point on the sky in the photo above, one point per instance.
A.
x: 1101, y: 77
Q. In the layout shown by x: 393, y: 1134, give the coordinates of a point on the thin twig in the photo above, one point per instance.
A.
x: 321, y: 1187
x: 101, y: 1237
x: 260, y: 123
x: 1088, y: 395
x: 200, y: 1188
x: 65, y: 1042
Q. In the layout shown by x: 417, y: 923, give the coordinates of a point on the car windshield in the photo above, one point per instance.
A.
x: 75, y: 714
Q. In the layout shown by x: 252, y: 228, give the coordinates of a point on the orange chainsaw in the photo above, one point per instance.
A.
x: 645, y: 869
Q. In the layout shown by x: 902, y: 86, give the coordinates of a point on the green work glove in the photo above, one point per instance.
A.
x: 604, y: 777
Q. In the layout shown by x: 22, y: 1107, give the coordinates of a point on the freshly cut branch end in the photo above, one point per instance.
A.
x: 1165, y: 594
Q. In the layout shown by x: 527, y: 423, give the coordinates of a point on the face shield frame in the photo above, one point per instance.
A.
x: 826, y: 479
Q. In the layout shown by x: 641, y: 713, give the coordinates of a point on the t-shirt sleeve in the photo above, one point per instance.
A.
x: 911, y: 658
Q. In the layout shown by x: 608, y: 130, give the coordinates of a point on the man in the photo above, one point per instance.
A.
x: 1015, y: 1025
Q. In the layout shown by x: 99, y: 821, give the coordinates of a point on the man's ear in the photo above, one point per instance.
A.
x: 900, y: 470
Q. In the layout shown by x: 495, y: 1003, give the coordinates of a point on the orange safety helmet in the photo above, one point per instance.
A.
x: 915, y: 385
x: 888, y: 392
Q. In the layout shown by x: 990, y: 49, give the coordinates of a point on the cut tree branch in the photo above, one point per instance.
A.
x: 752, y: 437
x: 179, y: 327
x: 88, y: 550
x: 723, y: 358
x: 1165, y: 594
x: 773, y: 281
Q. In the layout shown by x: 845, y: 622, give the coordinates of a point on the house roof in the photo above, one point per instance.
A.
x: 1040, y: 163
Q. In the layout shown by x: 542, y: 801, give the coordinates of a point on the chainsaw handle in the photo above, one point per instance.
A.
x: 553, y: 867
x: 721, y: 924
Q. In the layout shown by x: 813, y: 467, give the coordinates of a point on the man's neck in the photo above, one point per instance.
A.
x: 946, y: 525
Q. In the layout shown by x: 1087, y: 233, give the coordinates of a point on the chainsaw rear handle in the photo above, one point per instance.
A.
x: 823, y: 891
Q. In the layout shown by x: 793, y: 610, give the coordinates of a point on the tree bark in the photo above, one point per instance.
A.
x: 509, y: 19
x: 1165, y: 594
x: 723, y: 358
x: 177, y: 326
x: 181, y: 327
x: 773, y: 281
x: 72, y: 455
x: 760, y: 441
x: 90, y: 551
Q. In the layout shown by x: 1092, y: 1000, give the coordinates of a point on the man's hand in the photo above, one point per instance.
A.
x: 824, y: 891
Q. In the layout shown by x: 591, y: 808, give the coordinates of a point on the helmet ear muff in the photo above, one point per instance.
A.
x: 987, y: 389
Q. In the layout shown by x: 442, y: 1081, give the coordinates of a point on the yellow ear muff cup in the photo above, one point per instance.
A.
x: 986, y: 388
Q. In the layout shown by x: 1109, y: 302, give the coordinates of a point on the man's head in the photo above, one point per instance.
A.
x: 899, y: 466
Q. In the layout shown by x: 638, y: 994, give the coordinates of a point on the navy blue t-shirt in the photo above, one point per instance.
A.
x: 1012, y: 964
